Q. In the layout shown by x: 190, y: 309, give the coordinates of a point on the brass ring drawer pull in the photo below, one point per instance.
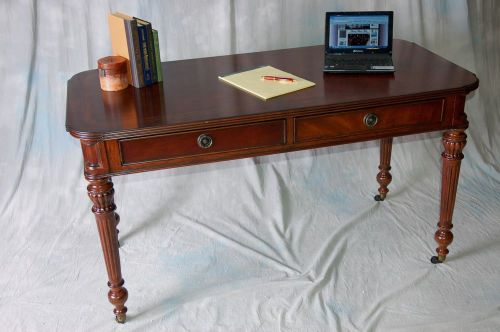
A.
x: 370, y: 120
x: 205, y: 141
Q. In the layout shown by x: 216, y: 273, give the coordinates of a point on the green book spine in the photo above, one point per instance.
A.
x: 159, y: 75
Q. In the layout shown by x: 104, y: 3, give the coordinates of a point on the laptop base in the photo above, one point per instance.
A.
x: 361, y: 70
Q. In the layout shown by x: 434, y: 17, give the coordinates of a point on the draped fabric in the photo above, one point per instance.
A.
x: 290, y: 242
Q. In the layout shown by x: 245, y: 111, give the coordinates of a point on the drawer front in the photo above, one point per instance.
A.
x: 354, y: 123
x: 162, y: 147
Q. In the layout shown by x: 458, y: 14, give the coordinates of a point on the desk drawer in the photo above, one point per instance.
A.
x: 162, y: 147
x: 362, y: 122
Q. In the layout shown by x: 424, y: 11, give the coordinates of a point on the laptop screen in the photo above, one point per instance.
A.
x: 359, y: 32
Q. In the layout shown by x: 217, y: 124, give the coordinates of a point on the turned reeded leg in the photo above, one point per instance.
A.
x: 384, y: 177
x: 101, y: 193
x: 454, y: 142
x: 117, y: 217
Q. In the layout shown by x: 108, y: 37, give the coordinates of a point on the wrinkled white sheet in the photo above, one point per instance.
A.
x: 292, y: 242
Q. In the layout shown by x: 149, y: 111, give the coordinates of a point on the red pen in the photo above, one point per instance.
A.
x: 277, y: 78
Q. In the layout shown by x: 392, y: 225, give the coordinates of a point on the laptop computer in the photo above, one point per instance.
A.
x: 358, y: 42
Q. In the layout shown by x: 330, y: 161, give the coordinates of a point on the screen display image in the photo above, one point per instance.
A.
x: 354, y: 32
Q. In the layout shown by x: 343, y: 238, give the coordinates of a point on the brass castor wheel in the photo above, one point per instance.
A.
x: 378, y: 198
x: 121, y: 319
x: 436, y: 260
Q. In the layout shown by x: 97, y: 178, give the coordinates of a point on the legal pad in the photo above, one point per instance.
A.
x: 251, y: 81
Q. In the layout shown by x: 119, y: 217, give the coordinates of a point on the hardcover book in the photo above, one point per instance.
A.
x: 142, y: 24
x: 158, y: 67
x: 125, y: 42
x: 145, y: 55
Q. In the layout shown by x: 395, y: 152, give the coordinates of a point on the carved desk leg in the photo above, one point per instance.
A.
x: 117, y: 217
x: 454, y: 142
x: 101, y: 193
x: 384, y: 177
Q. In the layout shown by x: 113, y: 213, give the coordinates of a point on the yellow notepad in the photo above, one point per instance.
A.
x: 251, y: 81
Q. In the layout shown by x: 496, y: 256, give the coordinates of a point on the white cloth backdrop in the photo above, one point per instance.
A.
x: 292, y: 242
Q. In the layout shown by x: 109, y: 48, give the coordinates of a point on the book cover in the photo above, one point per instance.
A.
x: 118, y: 38
x: 145, y: 55
x: 156, y: 43
x: 252, y: 82
x: 130, y: 41
x: 151, y: 50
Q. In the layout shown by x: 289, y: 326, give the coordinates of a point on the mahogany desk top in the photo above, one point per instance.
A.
x: 191, y: 94
x: 194, y: 118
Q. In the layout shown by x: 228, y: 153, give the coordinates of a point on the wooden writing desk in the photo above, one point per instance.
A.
x: 193, y: 118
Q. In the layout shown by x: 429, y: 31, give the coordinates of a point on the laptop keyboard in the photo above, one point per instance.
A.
x: 358, y: 61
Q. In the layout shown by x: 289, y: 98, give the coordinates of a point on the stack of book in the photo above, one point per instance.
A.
x: 136, y: 40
